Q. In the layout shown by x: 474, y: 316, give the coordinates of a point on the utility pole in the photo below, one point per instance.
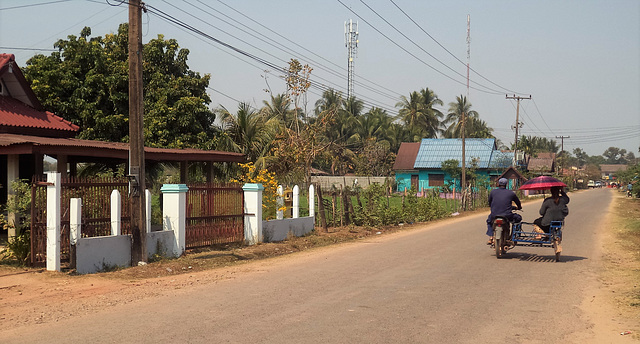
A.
x: 562, y: 145
x: 518, y: 124
x: 136, y: 138
x: 562, y: 141
x: 351, y: 42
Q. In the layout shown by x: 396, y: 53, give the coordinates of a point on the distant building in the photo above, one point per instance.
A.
x: 419, y: 164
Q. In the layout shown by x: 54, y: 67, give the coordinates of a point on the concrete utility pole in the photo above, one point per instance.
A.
x: 351, y: 42
x: 518, y: 124
x: 136, y: 138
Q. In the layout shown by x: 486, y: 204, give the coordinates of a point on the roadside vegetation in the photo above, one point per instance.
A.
x: 622, y: 260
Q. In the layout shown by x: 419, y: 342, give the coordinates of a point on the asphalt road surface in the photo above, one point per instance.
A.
x: 436, y: 284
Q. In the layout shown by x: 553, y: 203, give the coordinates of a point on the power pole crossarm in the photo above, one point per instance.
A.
x: 518, y: 124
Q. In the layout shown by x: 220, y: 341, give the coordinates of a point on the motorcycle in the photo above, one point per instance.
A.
x: 501, y: 235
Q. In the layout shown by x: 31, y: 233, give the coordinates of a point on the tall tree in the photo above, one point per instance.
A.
x: 419, y: 115
x: 453, y: 121
x: 86, y: 82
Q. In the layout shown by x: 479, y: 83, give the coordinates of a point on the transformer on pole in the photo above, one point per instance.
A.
x: 351, y: 42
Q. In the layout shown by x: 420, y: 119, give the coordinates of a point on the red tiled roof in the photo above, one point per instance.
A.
x: 406, y: 156
x: 14, y: 113
x: 23, y: 144
x: 6, y: 58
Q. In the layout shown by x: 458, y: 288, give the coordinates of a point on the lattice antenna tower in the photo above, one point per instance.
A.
x: 351, y: 42
x: 468, y: 50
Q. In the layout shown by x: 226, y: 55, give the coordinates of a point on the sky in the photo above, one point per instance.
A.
x: 579, y: 60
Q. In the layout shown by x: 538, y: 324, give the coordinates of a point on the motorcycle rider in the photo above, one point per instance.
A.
x: 500, y: 200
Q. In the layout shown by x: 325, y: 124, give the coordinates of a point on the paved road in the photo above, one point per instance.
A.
x: 437, y: 284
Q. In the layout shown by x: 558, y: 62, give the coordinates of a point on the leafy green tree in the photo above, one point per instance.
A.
x: 86, y: 82
x: 615, y: 155
x: 581, y: 157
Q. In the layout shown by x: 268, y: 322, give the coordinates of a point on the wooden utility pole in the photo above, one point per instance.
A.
x: 136, y: 138
x: 518, y: 124
x: 562, y: 149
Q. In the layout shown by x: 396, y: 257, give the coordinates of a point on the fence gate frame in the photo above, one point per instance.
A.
x: 215, y: 214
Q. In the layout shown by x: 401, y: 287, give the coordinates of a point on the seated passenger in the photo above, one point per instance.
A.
x: 553, y: 208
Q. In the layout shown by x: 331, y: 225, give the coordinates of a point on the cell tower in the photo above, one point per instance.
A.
x: 468, y: 49
x: 351, y: 42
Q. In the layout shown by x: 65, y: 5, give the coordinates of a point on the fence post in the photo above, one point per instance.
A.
x: 53, y: 221
x: 252, y: 213
x: 280, y: 203
x: 312, y: 199
x: 147, y: 198
x: 174, y: 214
x: 116, y: 213
x: 296, y: 202
x: 75, y: 227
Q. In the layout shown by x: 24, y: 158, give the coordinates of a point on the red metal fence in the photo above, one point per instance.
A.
x: 96, y: 212
x: 215, y: 214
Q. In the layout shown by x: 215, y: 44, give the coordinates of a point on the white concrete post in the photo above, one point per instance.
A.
x: 312, y: 199
x: 53, y: 221
x: 75, y: 220
x: 253, y: 213
x: 13, y: 173
x: 116, y: 213
x: 280, y: 203
x: 174, y: 214
x: 147, y: 199
x: 296, y: 202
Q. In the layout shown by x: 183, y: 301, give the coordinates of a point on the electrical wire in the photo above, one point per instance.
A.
x: 413, y: 55
x: 450, y: 53
x: 33, y: 5
x: 423, y: 50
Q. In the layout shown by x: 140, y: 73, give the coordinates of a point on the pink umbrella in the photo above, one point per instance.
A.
x: 542, y: 183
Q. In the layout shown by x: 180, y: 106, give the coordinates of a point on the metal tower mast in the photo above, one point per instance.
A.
x: 351, y: 42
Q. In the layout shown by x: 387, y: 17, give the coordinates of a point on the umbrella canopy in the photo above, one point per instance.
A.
x: 542, y: 183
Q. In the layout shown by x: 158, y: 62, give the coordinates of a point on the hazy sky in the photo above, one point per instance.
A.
x: 579, y: 60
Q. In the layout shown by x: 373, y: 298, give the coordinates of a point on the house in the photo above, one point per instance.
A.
x: 544, y: 162
x: 609, y: 171
x: 419, y: 164
x: 28, y: 133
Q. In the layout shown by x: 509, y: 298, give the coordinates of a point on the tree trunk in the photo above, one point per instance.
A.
x: 323, y: 219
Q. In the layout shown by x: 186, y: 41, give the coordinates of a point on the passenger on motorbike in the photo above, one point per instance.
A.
x: 553, y: 208
x: 500, y: 201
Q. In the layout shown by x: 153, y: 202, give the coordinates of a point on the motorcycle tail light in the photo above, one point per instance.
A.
x: 498, y: 222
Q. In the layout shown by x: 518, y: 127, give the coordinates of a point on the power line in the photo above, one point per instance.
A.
x: 309, y: 51
x: 411, y: 54
x: 421, y: 48
x: 450, y: 53
x: 33, y: 5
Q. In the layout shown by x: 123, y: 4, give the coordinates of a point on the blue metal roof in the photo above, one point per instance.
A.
x: 433, y: 152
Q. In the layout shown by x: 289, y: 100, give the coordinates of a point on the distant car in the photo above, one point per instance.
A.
x: 598, y: 184
x: 591, y: 184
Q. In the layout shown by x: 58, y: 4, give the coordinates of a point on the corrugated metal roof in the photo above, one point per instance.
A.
x: 433, y: 152
x: 406, y: 156
x: 14, y: 113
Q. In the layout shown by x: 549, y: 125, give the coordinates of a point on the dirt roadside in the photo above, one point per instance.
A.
x: 29, y: 296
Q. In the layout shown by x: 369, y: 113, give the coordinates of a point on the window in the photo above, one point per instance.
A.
x: 436, y: 180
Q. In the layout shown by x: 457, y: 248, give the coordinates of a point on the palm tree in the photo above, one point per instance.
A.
x: 411, y: 113
x: 453, y: 121
x: 248, y: 132
x: 279, y: 108
x: 432, y: 116
x: 331, y: 101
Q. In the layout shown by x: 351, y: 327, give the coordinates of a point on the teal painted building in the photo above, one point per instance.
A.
x: 419, y: 164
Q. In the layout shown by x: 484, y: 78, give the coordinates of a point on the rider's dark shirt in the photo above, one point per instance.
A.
x: 500, y: 201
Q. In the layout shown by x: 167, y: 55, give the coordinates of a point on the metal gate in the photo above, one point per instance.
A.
x: 215, y: 214
x: 96, y: 212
